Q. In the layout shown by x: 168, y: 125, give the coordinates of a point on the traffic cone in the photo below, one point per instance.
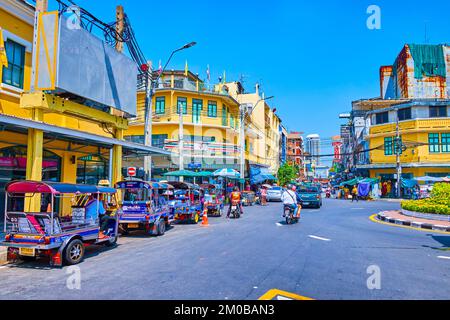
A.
x: 205, y: 217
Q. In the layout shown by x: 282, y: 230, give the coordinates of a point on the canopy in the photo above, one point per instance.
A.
x: 428, y: 178
x: 204, y: 174
x: 227, y: 173
x: 352, y: 182
x: 181, y: 173
x: 54, y: 188
x: 183, y: 185
x: 372, y: 181
x: 408, y: 183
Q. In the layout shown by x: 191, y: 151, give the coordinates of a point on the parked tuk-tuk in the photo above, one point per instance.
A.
x: 213, y: 200
x: 185, y: 202
x: 70, y: 218
x: 248, y: 198
x: 144, y: 207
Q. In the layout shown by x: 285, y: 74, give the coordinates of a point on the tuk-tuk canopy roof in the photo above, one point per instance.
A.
x: 54, y: 187
x: 183, y: 185
x: 138, y: 184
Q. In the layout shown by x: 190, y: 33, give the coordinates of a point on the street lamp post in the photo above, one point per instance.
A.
x: 150, y: 91
x: 243, y: 108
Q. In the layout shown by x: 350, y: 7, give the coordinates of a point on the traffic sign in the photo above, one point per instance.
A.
x: 131, y: 171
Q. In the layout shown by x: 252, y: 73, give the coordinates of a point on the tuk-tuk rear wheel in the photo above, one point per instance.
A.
x: 74, y: 252
x: 161, y: 227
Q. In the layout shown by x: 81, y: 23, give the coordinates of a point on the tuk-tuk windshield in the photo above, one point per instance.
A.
x: 136, y: 194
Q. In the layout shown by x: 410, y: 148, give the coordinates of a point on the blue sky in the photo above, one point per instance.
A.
x: 315, y: 57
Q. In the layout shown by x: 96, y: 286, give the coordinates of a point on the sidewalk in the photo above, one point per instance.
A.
x: 396, y: 217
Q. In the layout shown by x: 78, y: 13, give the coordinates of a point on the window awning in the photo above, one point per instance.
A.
x: 80, y: 137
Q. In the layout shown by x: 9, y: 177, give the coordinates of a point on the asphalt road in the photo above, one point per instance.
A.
x: 325, y: 256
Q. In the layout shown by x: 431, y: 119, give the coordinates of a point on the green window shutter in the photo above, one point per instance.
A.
x: 160, y: 105
x: 445, y: 142
x: 388, y: 146
x: 433, y: 143
x: 13, y: 75
x: 212, y: 109
x: 182, y: 104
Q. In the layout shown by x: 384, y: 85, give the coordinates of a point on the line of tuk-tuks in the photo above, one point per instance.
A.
x: 73, y: 216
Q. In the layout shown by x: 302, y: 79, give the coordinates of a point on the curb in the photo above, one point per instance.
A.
x: 410, y: 223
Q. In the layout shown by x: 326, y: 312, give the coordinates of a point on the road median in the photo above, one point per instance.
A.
x: 398, y: 218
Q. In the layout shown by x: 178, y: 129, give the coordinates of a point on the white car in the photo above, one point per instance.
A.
x: 274, y: 194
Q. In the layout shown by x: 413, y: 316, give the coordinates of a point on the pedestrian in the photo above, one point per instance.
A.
x: 355, y: 193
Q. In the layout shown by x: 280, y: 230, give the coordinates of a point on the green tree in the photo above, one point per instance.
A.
x: 287, y: 173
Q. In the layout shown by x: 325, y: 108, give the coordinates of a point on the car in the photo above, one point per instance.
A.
x: 274, y: 194
x: 310, y: 196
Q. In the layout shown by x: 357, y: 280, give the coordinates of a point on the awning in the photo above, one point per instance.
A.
x: 80, y: 137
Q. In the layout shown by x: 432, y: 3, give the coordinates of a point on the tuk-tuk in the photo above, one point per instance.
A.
x: 185, y: 202
x: 70, y: 218
x: 213, y: 200
x: 143, y: 207
x: 248, y: 198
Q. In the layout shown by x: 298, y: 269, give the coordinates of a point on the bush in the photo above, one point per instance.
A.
x: 441, y: 191
x: 439, y: 203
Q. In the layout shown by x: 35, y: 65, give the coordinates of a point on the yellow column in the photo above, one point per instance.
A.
x: 34, y: 160
x: 117, y: 159
x: 172, y: 81
x: 69, y: 175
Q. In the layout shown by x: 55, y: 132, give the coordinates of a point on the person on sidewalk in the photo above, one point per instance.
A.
x: 355, y: 194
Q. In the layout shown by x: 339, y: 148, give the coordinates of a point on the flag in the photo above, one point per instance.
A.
x: 186, y: 69
x: 208, y: 74
x: 3, y: 57
x: 160, y: 69
x: 224, y: 78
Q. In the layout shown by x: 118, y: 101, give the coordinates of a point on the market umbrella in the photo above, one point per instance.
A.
x: 227, y: 173
x: 204, y: 174
x: 430, y: 179
x: 181, y: 173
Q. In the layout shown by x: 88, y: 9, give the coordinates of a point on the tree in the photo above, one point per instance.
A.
x: 287, y: 173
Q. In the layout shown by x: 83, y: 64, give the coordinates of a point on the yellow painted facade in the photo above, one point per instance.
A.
x: 417, y: 160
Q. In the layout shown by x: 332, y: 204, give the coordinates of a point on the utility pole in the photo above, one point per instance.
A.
x: 398, y: 150
x: 242, y: 139
x: 148, y: 119
x: 120, y: 24
x: 181, y: 138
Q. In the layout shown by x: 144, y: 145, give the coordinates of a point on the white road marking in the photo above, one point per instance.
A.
x: 283, y: 298
x: 279, y: 224
x: 444, y: 257
x: 319, y: 238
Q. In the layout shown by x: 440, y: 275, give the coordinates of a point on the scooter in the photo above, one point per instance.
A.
x: 328, y: 193
x: 235, y: 209
x: 288, y: 214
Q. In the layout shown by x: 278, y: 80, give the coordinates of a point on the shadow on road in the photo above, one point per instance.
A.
x: 443, y: 240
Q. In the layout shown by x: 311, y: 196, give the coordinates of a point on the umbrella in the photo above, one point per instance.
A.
x: 227, y: 173
x: 267, y: 186
x: 181, y: 173
x: 430, y: 179
x: 204, y: 174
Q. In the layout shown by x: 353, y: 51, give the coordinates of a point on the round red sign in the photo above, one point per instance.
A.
x: 131, y: 171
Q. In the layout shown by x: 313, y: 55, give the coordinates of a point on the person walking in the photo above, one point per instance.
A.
x: 355, y: 194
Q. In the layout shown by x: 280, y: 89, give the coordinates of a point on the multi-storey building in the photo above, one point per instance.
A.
x: 295, y: 148
x: 208, y: 117
x: 414, y: 101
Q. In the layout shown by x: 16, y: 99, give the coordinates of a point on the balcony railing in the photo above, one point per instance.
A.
x: 203, y: 149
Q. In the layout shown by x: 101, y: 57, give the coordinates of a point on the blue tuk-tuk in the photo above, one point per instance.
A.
x: 69, y: 218
x: 185, y: 202
x: 144, y: 207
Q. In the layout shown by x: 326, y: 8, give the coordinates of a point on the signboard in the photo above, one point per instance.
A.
x: 131, y: 171
x: 194, y: 166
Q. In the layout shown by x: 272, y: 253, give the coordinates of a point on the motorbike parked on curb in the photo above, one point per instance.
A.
x: 289, y: 215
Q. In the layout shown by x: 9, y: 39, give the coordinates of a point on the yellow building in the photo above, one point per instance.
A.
x: 262, y: 129
x: 210, y: 125
x: 44, y: 136
x: 417, y: 98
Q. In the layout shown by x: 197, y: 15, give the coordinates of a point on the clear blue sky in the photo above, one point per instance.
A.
x: 315, y: 57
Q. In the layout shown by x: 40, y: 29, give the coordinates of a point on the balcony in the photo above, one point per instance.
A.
x: 203, y: 149
x: 411, y: 126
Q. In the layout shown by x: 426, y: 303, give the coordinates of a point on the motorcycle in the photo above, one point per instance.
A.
x: 289, y: 215
x: 328, y: 193
x: 235, y: 211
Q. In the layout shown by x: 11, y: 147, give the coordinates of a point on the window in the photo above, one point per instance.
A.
x: 404, y: 114
x: 160, y: 105
x: 433, y: 143
x: 438, y: 112
x: 158, y: 140
x: 212, y: 109
x: 388, y: 146
x: 197, y: 106
x: 382, y: 117
x: 224, y: 115
x: 445, y: 142
x: 182, y: 104
x: 13, y: 75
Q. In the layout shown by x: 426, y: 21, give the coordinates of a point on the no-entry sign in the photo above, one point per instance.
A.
x: 131, y: 171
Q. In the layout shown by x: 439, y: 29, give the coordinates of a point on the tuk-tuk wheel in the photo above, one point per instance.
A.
x: 74, y: 252
x: 112, y: 242
x: 161, y: 227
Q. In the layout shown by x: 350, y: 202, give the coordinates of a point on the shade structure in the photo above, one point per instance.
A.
x: 204, y: 174
x: 181, y: 173
x: 227, y: 173
x: 429, y: 179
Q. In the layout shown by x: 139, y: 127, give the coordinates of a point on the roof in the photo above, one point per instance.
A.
x: 54, y: 188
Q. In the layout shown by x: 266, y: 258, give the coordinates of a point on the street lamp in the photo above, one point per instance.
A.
x: 150, y: 91
x: 244, y: 110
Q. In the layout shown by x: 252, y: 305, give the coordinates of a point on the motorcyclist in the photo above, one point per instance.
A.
x: 291, y: 199
x: 235, y: 196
